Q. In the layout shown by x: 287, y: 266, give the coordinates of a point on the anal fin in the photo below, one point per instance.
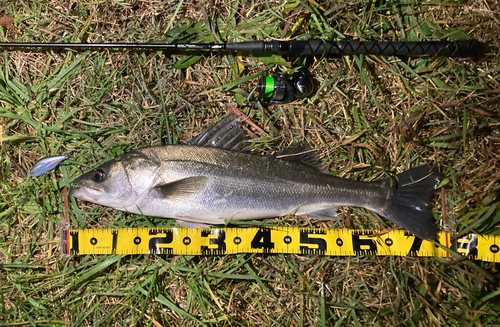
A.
x: 324, y: 214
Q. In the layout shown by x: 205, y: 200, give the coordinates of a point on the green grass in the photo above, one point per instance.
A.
x: 371, y: 116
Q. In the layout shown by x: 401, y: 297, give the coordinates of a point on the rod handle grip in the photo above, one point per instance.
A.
x: 461, y: 48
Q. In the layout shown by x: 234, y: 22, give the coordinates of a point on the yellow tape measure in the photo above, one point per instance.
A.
x: 335, y: 242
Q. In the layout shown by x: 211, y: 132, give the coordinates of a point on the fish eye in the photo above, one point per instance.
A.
x: 99, y: 175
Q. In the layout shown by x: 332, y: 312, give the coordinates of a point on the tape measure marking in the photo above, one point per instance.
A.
x: 272, y: 240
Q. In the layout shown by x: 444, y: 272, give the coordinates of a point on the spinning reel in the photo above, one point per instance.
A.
x: 281, y: 88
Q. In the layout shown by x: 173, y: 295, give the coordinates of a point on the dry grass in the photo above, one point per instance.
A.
x: 96, y: 105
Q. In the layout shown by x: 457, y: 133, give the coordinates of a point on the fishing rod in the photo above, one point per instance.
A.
x: 281, y: 88
x: 293, y: 48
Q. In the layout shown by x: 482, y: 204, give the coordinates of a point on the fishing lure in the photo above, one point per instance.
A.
x: 46, y: 164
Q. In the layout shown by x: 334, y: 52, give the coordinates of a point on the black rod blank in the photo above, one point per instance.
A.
x: 316, y: 47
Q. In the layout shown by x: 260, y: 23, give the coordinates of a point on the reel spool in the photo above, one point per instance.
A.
x: 280, y: 88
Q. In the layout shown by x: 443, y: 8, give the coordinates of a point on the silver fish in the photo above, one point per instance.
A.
x: 46, y: 164
x: 211, y: 181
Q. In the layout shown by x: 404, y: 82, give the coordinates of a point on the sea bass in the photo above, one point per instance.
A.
x: 211, y: 181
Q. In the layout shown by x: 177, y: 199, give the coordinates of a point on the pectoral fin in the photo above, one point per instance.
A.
x: 182, y: 188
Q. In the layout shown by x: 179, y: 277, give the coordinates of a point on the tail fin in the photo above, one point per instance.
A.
x: 412, y: 193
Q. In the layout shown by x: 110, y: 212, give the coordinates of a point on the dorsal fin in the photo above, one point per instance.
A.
x: 301, y: 154
x: 226, y: 134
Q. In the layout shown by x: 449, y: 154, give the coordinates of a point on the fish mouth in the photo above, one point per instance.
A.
x: 85, y: 193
